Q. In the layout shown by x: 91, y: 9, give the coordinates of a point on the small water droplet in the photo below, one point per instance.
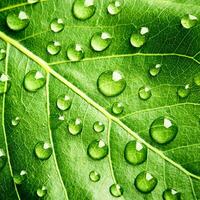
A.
x: 75, y: 52
x: 101, y: 41
x: 98, y: 127
x: 75, y: 126
x: 32, y: 1
x: 17, y: 22
x: 4, y: 83
x: 163, y: 130
x: 171, y: 194
x: 84, y: 9
x: 111, y: 83
x: 138, y: 38
x: 34, y: 80
x: 94, y: 176
x: 15, y: 121
x: 41, y: 192
x: 115, y: 7
x: 116, y: 190
x: 155, y: 70
x: 2, y: 54
x: 43, y: 150
x: 144, y: 92
x: 197, y: 79
x: 135, y: 153
x: 20, y: 178
x: 117, y: 108
x: 145, y: 182
x: 97, y: 149
x: 2, y: 159
x: 57, y: 25
x: 54, y: 48
x: 188, y: 21
x: 64, y: 102
x: 183, y: 91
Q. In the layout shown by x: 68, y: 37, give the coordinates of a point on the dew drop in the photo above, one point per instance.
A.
x: 163, y: 130
x: 84, y: 9
x: 2, y: 54
x: 32, y: 1
x: 117, y: 108
x: 4, y: 83
x: 135, y: 153
x: 75, y: 126
x: 34, y: 80
x: 97, y: 149
x: 144, y: 92
x: 54, y: 48
x: 155, y: 70
x: 111, y: 83
x: 98, y: 127
x: 183, y: 91
x: 64, y: 102
x: 139, y: 38
x: 188, y: 21
x: 114, y: 7
x: 41, y: 192
x: 43, y: 150
x: 17, y: 22
x: 101, y: 41
x: 116, y: 190
x: 171, y: 194
x: 75, y: 52
x: 20, y: 178
x: 197, y: 79
x: 2, y: 159
x: 15, y: 121
x: 145, y: 182
x: 94, y: 176
x: 57, y: 25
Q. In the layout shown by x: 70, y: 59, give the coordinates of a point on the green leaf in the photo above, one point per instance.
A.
x: 28, y: 118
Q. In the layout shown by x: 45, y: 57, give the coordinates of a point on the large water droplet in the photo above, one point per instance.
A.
x: 54, y: 47
x: 75, y: 52
x: 20, y: 178
x: 41, y: 192
x: 98, y: 127
x: 139, y: 38
x: 2, y: 54
x: 197, y: 79
x: 115, y: 7
x: 15, y: 121
x: 94, y: 176
x: 171, y: 194
x: 57, y: 25
x: 84, y: 9
x: 75, y: 126
x: 145, y: 182
x: 2, y: 158
x: 43, y: 150
x: 188, y: 21
x: 144, y: 92
x: 4, y: 83
x: 97, y: 149
x: 117, y: 108
x: 155, y: 70
x: 111, y: 83
x: 34, y: 80
x: 163, y: 130
x: 17, y: 22
x: 64, y: 102
x: 116, y: 190
x: 101, y: 41
x: 183, y: 91
x: 135, y: 153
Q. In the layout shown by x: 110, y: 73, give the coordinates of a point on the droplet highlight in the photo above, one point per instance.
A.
x: 183, y: 91
x: 171, y: 194
x: 155, y: 70
x: 43, y: 150
x: 98, y: 127
x: 41, y: 192
x: 15, y: 121
x: 94, y: 176
x: 3, y: 159
x: 117, y: 108
x: 57, y: 25
x: 54, y: 48
x: 20, y: 178
x: 144, y: 92
x: 75, y: 126
x: 115, y: 7
x: 116, y: 190
x: 75, y: 52
x: 2, y: 54
x: 189, y: 21
x: 64, y: 102
x: 4, y: 83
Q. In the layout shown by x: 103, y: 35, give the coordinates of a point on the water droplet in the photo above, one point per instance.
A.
x: 144, y: 92
x: 183, y: 91
x: 139, y: 38
x: 2, y: 158
x: 115, y: 7
x: 188, y: 21
x: 20, y: 178
x: 117, y: 108
x: 163, y: 130
x: 75, y: 126
x: 197, y: 79
x: 41, y: 192
x: 57, y: 25
x: 145, y: 182
x: 116, y: 190
x: 94, y: 176
x: 97, y: 149
x: 98, y: 127
x: 54, y: 48
x: 64, y: 102
x: 43, y: 150
x: 84, y: 9
x: 17, y: 22
x: 75, y: 52
x: 155, y: 70
x: 34, y: 80
x: 101, y: 41
x: 135, y: 153
x: 111, y: 83
x: 2, y: 54
x: 171, y: 194
x: 33, y: 1
x: 15, y: 121
x: 4, y: 83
